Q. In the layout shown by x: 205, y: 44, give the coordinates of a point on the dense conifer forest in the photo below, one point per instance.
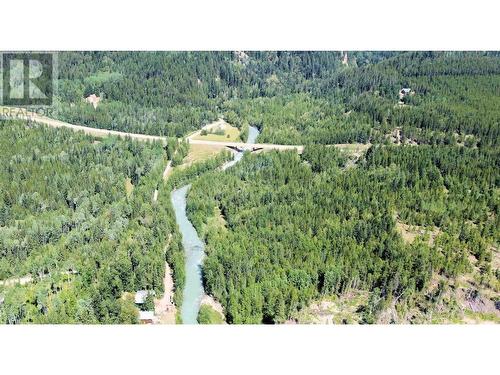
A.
x: 77, y: 216
x: 297, y: 230
x: 405, y: 230
x: 293, y: 232
x: 176, y: 92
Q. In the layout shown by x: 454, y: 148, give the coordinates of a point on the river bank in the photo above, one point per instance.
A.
x: 194, y: 248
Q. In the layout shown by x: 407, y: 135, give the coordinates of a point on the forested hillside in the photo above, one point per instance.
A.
x: 293, y: 97
x: 293, y: 233
x: 78, y: 225
x: 172, y: 93
x: 406, y: 230
x: 414, y: 223
x: 453, y: 97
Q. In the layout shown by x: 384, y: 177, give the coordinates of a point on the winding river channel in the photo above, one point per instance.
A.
x: 194, y: 247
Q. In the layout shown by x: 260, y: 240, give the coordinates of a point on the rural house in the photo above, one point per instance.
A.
x: 146, y: 317
x: 141, y: 295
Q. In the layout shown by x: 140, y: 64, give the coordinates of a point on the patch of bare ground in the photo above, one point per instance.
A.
x: 210, y: 301
x: 395, y: 137
x: 389, y: 316
x: 165, y: 309
x: 332, y: 310
x: 27, y: 279
x: 471, y: 298
x: 201, y: 152
x: 466, y: 305
x: 129, y: 187
x: 495, y: 257
x: 475, y: 301
x: 451, y: 304
x: 17, y: 281
x: 354, y: 151
x: 460, y: 300
x: 468, y: 298
x: 168, y: 170
x: 411, y: 232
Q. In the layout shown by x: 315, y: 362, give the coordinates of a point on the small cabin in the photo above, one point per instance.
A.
x: 93, y: 99
x: 345, y: 60
x: 146, y: 317
x: 404, y: 91
x: 141, y: 295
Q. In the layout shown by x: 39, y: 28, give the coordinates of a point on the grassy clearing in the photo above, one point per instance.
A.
x: 201, y: 153
x: 355, y: 149
x: 334, y: 310
x: 409, y: 233
x: 231, y: 134
x: 481, y: 317
x: 208, y: 315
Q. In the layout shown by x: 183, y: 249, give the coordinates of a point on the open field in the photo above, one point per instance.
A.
x: 231, y: 134
x: 201, y: 152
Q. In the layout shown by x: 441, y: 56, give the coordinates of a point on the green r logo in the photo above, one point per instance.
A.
x: 28, y: 78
